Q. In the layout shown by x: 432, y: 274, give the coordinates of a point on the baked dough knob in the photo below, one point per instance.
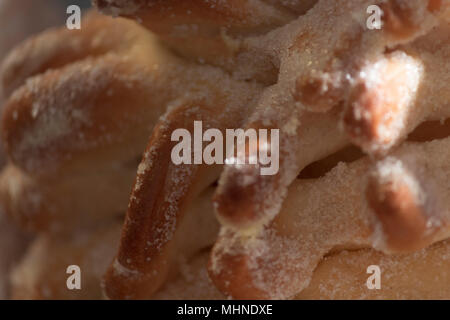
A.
x: 382, y: 100
x: 411, y: 209
x: 398, y: 91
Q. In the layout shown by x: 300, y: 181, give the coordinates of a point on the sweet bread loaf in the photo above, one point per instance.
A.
x: 363, y: 150
x: 327, y: 80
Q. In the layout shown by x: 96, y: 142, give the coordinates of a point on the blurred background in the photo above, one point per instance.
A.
x: 18, y: 20
x: 81, y: 3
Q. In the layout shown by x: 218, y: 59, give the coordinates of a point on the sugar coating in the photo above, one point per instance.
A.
x: 261, y: 83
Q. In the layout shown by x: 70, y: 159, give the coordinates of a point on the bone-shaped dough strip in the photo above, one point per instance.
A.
x: 260, y: 201
x: 332, y: 213
x: 153, y: 231
x: 335, y: 55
